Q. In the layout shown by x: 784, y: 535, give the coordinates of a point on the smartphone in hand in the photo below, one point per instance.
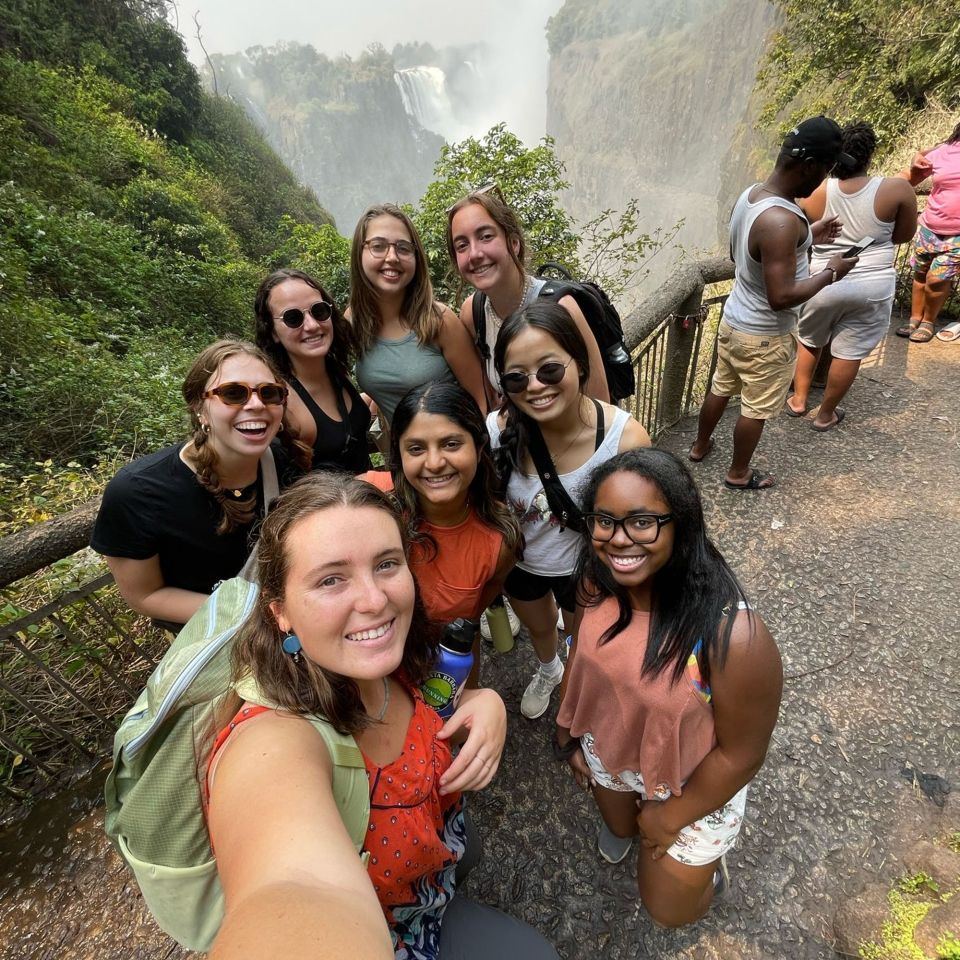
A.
x: 858, y: 248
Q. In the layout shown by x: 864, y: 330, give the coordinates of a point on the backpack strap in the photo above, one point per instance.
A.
x: 480, y: 324
x: 351, y: 789
x: 561, y: 503
x: 271, y: 490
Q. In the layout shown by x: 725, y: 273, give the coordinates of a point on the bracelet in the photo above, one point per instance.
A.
x: 833, y: 274
x: 568, y: 749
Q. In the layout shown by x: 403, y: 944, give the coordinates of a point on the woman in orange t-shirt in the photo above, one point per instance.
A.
x: 464, y: 540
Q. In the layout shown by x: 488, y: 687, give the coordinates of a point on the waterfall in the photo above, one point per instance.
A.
x: 427, y: 100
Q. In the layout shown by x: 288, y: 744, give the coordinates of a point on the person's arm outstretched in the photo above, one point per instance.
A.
x: 294, y: 885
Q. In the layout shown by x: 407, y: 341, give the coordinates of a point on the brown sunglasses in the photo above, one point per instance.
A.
x: 238, y: 394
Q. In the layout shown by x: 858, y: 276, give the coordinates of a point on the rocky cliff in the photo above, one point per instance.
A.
x: 653, y: 100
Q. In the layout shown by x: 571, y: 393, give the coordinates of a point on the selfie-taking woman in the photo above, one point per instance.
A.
x: 300, y: 328
x: 337, y: 632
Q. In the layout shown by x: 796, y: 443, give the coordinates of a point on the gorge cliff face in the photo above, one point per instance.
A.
x: 655, y: 103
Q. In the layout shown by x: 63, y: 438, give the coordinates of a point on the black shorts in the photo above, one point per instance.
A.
x: 522, y: 585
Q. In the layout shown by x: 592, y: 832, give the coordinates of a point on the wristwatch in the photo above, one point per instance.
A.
x: 833, y: 273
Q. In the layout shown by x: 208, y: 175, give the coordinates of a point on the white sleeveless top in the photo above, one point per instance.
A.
x: 549, y: 551
x: 748, y: 309
x: 531, y: 290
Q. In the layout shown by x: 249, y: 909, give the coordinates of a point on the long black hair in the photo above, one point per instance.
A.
x: 555, y: 321
x: 694, y: 595
x: 450, y: 400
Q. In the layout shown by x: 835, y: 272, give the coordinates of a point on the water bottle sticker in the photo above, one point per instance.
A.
x: 438, y: 690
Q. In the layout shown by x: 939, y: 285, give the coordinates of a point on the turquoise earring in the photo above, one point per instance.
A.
x: 292, y: 646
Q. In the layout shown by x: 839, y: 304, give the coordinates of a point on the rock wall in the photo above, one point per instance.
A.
x: 659, y: 110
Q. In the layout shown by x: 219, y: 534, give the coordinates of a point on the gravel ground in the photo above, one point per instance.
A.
x: 852, y: 560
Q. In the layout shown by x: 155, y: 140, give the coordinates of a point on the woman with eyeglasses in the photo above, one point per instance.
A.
x: 175, y: 523
x: 405, y: 338
x: 543, y: 365
x: 299, y: 327
x: 487, y: 247
x: 673, y: 684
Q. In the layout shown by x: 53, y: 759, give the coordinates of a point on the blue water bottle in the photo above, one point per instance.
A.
x: 444, y: 684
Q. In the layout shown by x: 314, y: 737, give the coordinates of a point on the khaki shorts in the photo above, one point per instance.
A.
x: 760, y: 369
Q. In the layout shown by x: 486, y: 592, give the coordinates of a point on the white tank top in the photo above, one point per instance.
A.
x: 548, y: 551
x: 859, y: 219
x: 531, y: 290
x: 748, y: 309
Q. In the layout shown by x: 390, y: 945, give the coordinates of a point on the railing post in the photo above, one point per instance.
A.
x: 681, y: 337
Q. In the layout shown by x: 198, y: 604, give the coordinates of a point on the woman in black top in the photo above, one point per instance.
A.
x: 176, y: 522
x: 300, y: 328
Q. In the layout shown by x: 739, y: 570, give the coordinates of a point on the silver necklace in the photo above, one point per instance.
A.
x: 386, y: 701
x: 494, y: 316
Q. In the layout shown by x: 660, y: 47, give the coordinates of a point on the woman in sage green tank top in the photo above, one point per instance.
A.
x: 405, y: 338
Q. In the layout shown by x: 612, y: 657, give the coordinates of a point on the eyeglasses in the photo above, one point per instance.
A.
x: 379, y: 247
x: 639, y: 527
x: 549, y: 374
x: 238, y: 394
x: 321, y: 311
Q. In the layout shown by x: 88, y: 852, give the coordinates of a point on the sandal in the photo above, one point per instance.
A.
x: 790, y: 412
x: 950, y: 332
x: 838, y: 412
x: 694, y: 459
x: 907, y: 328
x: 923, y: 333
x: 757, y: 481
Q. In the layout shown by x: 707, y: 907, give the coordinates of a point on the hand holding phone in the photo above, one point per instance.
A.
x: 860, y: 246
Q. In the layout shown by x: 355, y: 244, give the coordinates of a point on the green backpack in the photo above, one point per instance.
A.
x: 154, y: 813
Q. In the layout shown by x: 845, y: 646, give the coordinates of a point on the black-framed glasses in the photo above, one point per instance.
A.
x: 549, y: 374
x: 639, y: 527
x: 238, y: 394
x: 321, y: 311
x: 378, y: 247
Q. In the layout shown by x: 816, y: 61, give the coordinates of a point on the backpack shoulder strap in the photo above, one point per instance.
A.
x: 271, y: 485
x: 480, y: 324
x: 561, y: 504
x: 601, y: 427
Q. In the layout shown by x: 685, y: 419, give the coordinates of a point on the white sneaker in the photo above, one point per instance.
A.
x: 513, y: 619
x: 536, y: 698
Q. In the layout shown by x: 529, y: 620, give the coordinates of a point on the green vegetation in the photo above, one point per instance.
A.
x: 874, y: 60
x: 136, y: 217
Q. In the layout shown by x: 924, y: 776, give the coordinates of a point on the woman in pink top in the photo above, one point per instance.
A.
x: 672, y: 687
x: 936, y: 251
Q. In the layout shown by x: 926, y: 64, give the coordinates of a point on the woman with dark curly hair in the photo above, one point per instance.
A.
x: 301, y: 330
x: 852, y: 315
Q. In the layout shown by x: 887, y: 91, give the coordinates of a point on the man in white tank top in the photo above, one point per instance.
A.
x: 770, y: 237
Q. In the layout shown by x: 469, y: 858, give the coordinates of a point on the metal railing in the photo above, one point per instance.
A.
x: 70, y: 668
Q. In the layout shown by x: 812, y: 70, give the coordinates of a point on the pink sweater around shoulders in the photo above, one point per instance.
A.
x: 644, y: 724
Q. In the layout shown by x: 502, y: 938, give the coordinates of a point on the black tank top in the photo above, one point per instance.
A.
x: 340, y: 444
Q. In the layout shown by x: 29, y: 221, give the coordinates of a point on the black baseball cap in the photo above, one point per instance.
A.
x: 818, y: 138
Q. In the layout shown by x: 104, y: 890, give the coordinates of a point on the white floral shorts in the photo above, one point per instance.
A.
x: 697, y: 844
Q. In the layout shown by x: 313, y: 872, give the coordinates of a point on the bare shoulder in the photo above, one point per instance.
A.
x: 899, y: 189
x: 750, y: 636
x: 276, y: 737
x: 466, y: 311
x: 634, y: 435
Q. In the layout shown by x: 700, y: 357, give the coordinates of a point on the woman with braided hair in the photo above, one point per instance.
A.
x: 175, y: 523
x: 851, y: 315
x: 543, y: 366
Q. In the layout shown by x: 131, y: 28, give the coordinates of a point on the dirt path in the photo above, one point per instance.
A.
x: 853, y: 562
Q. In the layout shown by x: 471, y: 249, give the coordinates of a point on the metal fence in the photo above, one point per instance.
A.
x: 70, y: 667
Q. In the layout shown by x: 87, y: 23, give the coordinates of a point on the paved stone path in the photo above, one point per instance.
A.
x: 853, y: 562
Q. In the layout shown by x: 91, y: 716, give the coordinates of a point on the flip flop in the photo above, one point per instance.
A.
x: 950, y: 332
x: 757, y: 481
x: 840, y: 414
x: 793, y: 413
x: 906, y: 329
x: 923, y: 333
x: 694, y: 459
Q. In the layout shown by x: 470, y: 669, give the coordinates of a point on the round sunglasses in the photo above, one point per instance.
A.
x: 549, y: 374
x: 238, y: 394
x: 293, y: 318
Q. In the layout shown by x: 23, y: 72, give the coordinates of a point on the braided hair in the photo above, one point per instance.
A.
x: 236, y: 512
x: 555, y: 321
x: 859, y: 141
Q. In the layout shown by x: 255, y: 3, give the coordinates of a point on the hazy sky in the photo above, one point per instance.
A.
x: 514, y: 28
